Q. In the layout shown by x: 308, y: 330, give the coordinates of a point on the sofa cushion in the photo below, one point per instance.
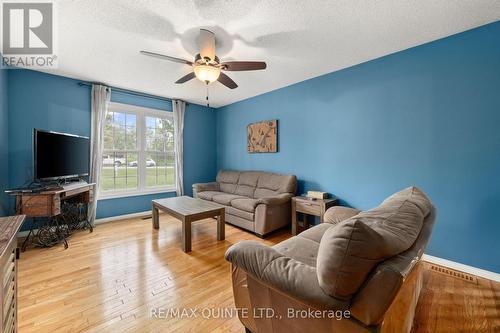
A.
x: 227, y: 180
x: 350, y: 250
x: 240, y: 213
x: 372, y: 300
x: 245, y: 190
x: 245, y: 204
x: 247, y: 182
x: 271, y: 184
x: 315, y: 233
x: 208, y: 195
x: 240, y: 222
x: 412, y: 194
x: 300, y: 249
x: 225, y: 199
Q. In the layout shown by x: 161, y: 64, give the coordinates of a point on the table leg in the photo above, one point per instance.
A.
x: 87, y: 224
x: 186, y: 235
x: 221, y: 226
x: 294, y: 219
x: 60, y: 232
x: 156, y: 220
x: 25, y: 243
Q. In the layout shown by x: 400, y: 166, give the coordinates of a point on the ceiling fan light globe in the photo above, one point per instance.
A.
x: 207, y: 73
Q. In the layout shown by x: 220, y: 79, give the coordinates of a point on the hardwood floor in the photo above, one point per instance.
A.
x: 451, y: 304
x: 110, y: 280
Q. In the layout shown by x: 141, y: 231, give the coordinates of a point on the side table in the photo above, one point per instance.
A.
x: 307, y: 206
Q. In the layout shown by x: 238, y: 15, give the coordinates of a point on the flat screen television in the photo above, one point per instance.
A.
x: 60, y: 155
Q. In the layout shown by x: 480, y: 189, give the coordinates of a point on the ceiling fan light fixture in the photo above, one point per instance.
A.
x: 207, y: 67
x: 207, y: 73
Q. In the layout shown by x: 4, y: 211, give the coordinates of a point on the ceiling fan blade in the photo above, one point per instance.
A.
x: 227, y: 81
x: 166, y: 57
x: 207, y: 44
x: 243, y: 65
x: 186, y: 78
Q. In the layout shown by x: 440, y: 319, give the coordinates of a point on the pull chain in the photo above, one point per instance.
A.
x: 208, y: 104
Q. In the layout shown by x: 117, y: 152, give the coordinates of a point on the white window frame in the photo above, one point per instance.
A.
x: 141, y: 113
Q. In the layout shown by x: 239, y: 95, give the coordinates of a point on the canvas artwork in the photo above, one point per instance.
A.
x: 262, y: 137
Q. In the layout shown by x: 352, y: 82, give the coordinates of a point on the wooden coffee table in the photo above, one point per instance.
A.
x: 188, y: 210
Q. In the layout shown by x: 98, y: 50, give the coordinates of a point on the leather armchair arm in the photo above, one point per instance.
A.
x: 201, y: 187
x: 283, y: 273
x: 276, y: 200
x: 338, y: 214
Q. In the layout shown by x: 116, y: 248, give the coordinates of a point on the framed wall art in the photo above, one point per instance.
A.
x: 262, y: 137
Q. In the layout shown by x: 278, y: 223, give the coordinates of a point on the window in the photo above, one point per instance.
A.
x: 138, y: 154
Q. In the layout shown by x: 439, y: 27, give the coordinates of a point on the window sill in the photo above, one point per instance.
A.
x: 125, y: 194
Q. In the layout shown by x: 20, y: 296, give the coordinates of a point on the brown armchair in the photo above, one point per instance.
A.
x: 357, y: 272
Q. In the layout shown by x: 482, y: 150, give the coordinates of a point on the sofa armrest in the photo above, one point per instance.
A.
x: 283, y: 273
x: 338, y: 214
x: 252, y: 256
x: 201, y: 187
x: 275, y: 200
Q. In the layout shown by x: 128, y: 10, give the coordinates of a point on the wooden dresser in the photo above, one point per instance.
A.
x: 9, y: 226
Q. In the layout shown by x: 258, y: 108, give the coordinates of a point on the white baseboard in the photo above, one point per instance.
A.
x: 462, y: 268
x: 123, y: 217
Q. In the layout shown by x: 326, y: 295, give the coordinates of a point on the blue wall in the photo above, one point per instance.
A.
x: 4, y: 140
x: 39, y: 100
x: 428, y: 116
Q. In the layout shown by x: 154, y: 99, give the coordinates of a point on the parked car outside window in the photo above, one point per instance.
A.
x: 149, y: 163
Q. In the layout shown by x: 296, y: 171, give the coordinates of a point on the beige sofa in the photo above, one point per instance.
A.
x: 254, y: 200
x: 366, y: 263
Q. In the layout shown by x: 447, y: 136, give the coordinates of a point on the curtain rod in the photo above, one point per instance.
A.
x: 131, y: 92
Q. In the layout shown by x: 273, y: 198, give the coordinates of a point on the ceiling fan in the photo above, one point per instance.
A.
x: 207, y: 67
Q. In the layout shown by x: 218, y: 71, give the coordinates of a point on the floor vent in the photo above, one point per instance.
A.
x: 455, y: 274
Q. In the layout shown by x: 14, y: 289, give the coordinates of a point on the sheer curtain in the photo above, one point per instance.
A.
x: 179, y: 108
x: 101, y: 96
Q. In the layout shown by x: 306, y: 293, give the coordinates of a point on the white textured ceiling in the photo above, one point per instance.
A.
x: 99, y: 40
